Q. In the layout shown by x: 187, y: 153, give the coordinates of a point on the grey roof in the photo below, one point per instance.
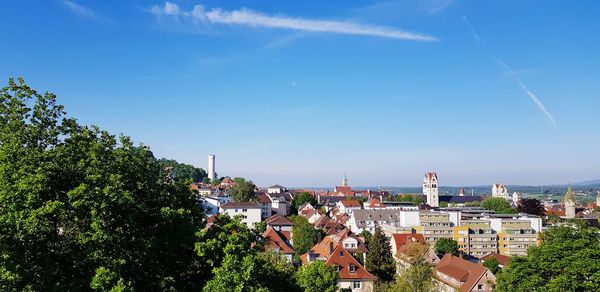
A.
x: 276, y: 187
x: 389, y: 216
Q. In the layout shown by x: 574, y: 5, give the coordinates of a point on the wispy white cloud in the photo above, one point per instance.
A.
x: 82, y: 11
x: 246, y: 17
x: 440, y: 6
x: 512, y: 74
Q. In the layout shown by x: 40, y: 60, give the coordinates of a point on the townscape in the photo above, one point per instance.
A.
x: 346, y: 219
x: 299, y: 146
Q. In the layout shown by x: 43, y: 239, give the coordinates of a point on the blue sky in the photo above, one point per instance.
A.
x: 299, y: 92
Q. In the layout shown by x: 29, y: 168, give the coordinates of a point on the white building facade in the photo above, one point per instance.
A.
x: 430, y: 189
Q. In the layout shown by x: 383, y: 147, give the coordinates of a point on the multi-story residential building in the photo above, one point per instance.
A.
x: 279, y: 223
x: 515, y: 237
x: 434, y: 225
x: 480, y: 238
x: 368, y: 219
x: 266, y: 208
x: 250, y: 212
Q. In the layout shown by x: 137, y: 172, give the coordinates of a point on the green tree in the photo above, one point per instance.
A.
x: 317, y: 277
x: 492, y: 265
x: 565, y: 260
x: 531, y: 206
x: 82, y: 209
x: 301, y: 198
x: 500, y: 205
x: 367, y: 236
x: 206, y: 180
x: 305, y: 235
x: 183, y: 171
x: 446, y: 245
x: 379, y: 261
x: 417, y: 278
x: 243, y: 190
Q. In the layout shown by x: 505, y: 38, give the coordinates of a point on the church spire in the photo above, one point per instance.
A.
x: 345, y: 180
x: 569, y: 196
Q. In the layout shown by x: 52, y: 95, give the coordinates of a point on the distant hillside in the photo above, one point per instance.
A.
x: 588, y: 182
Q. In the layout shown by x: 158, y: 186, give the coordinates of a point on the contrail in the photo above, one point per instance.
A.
x: 512, y: 73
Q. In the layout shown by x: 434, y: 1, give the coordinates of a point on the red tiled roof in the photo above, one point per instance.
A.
x: 335, y: 254
x: 402, y: 239
x: 502, y: 259
x: 278, y: 220
x: 350, y: 203
x: 375, y: 203
x: 277, y: 241
x: 264, y: 199
x: 461, y: 270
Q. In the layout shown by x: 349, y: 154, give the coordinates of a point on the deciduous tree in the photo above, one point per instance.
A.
x: 446, y: 245
x: 317, y: 277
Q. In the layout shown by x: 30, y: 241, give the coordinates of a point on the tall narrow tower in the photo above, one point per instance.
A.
x: 345, y: 181
x: 430, y: 189
x: 569, y: 203
x: 211, y: 166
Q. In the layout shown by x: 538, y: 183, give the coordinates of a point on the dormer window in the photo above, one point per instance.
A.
x: 352, y: 268
x: 337, y: 268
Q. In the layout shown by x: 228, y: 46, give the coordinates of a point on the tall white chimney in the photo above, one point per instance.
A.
x: 211, y: 166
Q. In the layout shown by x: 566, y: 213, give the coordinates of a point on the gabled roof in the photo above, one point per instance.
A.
x: 278, y: 220
x: 375, y: 203
x: 277, y: 241
x: 464, y: 271
x: 276, y: 187
x: 333, y: 253
x: 343, y: 259
x: 264, y: 199
x: 351, y: 203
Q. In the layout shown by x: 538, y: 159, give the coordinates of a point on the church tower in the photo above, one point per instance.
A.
x: 569, y: 201
x: 430, y: 189
x: 345, y: 181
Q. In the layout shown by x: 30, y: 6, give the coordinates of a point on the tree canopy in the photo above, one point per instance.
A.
x: 492, y: 265
x: 317, y: 277
x: 531, y: 206
x: 565, y: 260
x: 242, y: 190
x: 446, y: 245
x: 84, y: 209
x: 500, y: 205
x: 379, y: 261
x: 184, y: 171
x: 305, y: 235
x: 301, y: 198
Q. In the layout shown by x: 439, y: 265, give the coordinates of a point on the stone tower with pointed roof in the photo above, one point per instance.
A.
x: 430, y: 189
x: 569, y: 201
x: 345, y: 181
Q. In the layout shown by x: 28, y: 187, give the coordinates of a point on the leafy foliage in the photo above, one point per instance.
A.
x: 184, y: 171
x: 492, y: 265
x: 317, y: 277
x: 410, y: 198
x: 417, y: 278
x: 446, y: 245
x: 301, y: 198
x: 531, y: 206
x: 305, y: 235
x: 379, y: 260
x: 83, y: 209
x: 566, y: 260
x: 500, y: 205
x: 243, y: 190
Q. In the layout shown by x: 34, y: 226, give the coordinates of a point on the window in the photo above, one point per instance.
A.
x: 356, y: 284
x: 352, y: 268
x: 244, y: 210
x: 480, y: 286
